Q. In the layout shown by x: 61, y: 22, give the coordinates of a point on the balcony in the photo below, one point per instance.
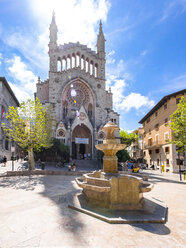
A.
x: 153, y: 144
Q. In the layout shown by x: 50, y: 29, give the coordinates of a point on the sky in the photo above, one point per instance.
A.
x: 145, y: 46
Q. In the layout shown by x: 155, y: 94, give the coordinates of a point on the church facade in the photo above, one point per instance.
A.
x: 76, y: 90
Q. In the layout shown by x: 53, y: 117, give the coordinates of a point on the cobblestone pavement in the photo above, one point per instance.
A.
x: 34, y: 213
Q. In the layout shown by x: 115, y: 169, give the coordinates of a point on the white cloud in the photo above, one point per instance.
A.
x: 134, y: 100
x: 143, y: 53
x: 19, y: 93
x: 1, y: 57
x: 173, y: 8
x: 77, y: 20
x: 25, y: 78
x: 178, y: 83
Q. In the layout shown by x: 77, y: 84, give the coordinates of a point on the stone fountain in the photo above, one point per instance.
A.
x: 108, y: 188
x: 112, y: 196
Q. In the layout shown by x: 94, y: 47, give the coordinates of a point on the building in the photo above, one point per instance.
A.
x: 135, y: 150
x: 7, y: 98
x: 157, y: 135
x: 76, y: 90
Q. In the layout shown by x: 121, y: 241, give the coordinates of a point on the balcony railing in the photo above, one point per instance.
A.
x: 154, y: 144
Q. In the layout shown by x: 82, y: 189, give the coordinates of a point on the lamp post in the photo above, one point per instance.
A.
x: 12, y: 151
x: 179, y: 166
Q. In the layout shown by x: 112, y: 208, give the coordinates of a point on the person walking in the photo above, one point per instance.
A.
x: 4, y: 160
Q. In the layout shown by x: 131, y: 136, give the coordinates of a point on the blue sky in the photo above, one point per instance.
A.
x: 145, y: 45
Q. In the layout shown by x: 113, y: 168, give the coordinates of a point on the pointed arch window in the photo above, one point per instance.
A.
x: 68, y: 63
x: 64, y: 64
x: 73, y: 61
x: 77, y: 60
x: 96, y: 70
x: 82, y: 62
x: 90, y: 110
x: 86, y: 65
x: 65, y: 109
x: 59, y: 65
x: 91, y: 68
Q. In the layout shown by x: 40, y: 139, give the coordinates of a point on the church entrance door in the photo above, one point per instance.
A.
x: 81, y: 142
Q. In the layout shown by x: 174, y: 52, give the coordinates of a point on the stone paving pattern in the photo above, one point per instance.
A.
x: 34, y: 213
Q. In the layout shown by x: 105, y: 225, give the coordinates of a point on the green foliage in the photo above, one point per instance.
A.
x: 178, y: 125
x: 57, y: 152
x: 123, y: 155
x: 127, y: 138
x: 30, y: 125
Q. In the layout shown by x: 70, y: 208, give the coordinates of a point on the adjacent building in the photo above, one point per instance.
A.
x: 136, y: 149
x: 157, y: 149
x: 7, y: 98
x: 76, y: 90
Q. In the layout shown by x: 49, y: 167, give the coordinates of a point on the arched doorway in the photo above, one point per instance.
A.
x: 81, y: 142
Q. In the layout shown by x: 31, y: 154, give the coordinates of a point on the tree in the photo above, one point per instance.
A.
x: 178, y: 126
x: 30, y: 125
x: 127, y: 138
x: 123, y: 155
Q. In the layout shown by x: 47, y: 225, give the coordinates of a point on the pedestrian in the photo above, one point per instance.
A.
x: 4, y: 160
x: 17, y: 158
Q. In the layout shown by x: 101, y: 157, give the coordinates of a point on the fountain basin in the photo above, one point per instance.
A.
x: 114, y: 191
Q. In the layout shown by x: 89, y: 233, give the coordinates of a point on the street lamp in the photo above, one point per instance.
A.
x: 12, y: 151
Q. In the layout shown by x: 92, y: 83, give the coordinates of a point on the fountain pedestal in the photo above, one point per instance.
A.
x: 108, y: 188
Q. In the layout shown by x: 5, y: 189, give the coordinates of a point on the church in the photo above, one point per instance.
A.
x: 76, y: 90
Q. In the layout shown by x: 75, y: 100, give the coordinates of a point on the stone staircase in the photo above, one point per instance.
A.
x: 87, y: 164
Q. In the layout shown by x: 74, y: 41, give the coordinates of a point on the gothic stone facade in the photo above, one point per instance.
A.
x: 76, y: 90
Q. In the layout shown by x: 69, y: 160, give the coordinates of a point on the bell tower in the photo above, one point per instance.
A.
x: 101, y: 52
x: 53, y: 44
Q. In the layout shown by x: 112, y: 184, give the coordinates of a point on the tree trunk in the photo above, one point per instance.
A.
x: 31, y: 158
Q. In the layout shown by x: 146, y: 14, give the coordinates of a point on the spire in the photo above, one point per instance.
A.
x: 100, y: 40
x: 53, y: 31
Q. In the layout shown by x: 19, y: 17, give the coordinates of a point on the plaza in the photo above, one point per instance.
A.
x: 34, y: 213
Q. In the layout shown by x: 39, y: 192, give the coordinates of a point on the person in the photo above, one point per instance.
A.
x: 17, y: 158
x: 73, y: 167
x: 4, y: 160
x: 39, y: 162
x: 130, y: 166
x: 85, y: 156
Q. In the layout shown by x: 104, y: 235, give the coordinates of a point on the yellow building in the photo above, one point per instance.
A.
x: 157, y: 149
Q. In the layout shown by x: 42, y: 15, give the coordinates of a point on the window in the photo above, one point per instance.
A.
x: 150, y: 151
x: 167, y: 149
x: 148, y: 120
x: 144, y: 134
x: 149, y: 131
x: 167, y: 161
x: 156, y: 127
x: 165, y: 106
x: 156, y: 114
x: 166, y: 120
x: 90, y: 110
x: 177, y: 100
x: 144, y: 153
x: 157, y: 150
x: 166, y: 136
x: 179, y: 161
x: 150, y: 142
x: 157, y: 139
